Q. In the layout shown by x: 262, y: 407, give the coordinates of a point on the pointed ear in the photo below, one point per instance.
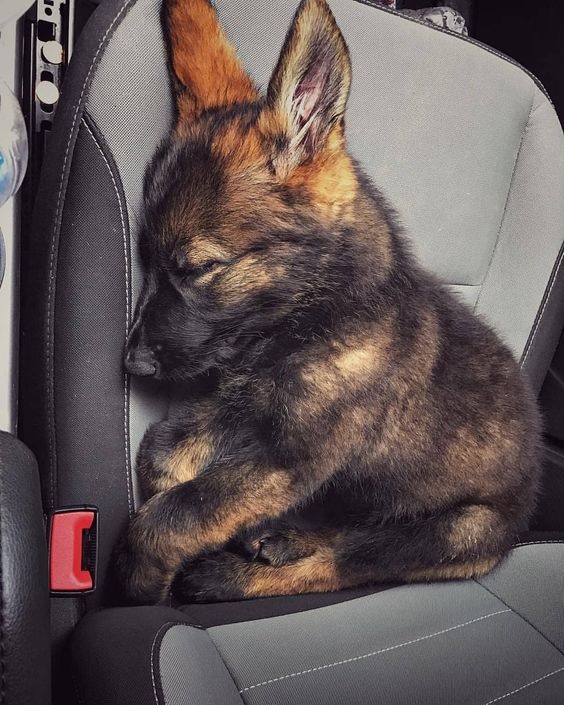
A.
x: 310, y: 85
x: 207, y: 72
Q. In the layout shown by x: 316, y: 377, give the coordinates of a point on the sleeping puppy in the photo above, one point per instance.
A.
x: 342, y: 418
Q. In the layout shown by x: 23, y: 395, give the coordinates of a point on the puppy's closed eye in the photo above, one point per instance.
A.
x: 185, y: 276
x: 207, y: 267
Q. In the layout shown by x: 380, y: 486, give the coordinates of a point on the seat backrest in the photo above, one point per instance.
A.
x: 464, y: 143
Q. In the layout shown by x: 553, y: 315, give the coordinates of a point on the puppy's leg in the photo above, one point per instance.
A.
x: 202, y: 514
x: 222, y: 575
x: 278, y: 543
x: 462, y: 543
x: 178, y: 449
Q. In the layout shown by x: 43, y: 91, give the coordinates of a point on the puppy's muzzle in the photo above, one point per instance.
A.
x: 140, y: 362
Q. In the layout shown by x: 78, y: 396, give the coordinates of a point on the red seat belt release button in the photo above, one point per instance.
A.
x: 72, y: 550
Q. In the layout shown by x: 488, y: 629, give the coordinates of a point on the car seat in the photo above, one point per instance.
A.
x: 466, y: 145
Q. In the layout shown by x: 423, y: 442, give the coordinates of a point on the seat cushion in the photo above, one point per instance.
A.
x: 458, y: 643
x: 473, y: 161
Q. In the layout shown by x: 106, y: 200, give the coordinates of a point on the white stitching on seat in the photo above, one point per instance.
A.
x: 374, y: 653
x: 165, y: 626
x: 506, y: 205
x: 56, y: 228
x: 540, y: 86
x: 541, y: 314
x: 127, y: 314
x: 468, y: 39
x: 517, y: 690
x: 534, y: 543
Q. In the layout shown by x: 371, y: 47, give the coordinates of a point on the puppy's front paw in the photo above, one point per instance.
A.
x: 142, y: 578
x: 146, y: 557
x: 211, y: 577
x: 279, y: 548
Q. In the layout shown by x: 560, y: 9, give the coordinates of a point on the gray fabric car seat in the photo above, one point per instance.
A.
x: 468, y: 148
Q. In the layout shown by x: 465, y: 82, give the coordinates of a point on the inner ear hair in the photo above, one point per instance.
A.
x: 311, y: 82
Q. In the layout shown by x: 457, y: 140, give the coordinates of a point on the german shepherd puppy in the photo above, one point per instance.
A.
x: 343, y: 418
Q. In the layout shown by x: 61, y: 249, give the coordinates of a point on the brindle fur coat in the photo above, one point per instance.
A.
x: 342, y: 418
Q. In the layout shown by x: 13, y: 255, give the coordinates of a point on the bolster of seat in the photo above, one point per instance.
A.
x: 24, y: 598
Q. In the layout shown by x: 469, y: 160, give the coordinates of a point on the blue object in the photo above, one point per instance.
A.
x: 13, y: 144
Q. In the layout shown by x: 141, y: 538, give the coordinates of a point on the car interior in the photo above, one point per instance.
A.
x: 457, y: 117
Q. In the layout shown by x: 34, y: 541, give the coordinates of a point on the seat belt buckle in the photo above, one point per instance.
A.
x: 73, y: 550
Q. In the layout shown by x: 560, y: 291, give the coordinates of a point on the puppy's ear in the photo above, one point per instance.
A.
x: 310, y: 85
x: 207, y: 72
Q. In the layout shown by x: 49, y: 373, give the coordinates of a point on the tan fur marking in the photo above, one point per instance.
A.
x: 204, y: 60
x: 313, y: 23
x: 187, y: 459
x: 471, y: 528
x: 463, y: 571
x: 329, y: 179
x: 302, y: 543
x: 245, y: 278
x: 409, y: 416
x: 362, y: 361
x: 243, y: 148
x: 272, y: 497
x: 203, y: 251
x: 483, y: 446
x: 316, y: 573
x: 347, y: 365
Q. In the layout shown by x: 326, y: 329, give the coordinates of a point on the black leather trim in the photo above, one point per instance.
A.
x: 123, y: 645
x: 77, y: 441
x: 77, y: 161
x: 42, y: 397
x: 114, y: 174
x: 24, y: 602
x: 219, y: 613
x: 91, y: 395
x: 40, y: 249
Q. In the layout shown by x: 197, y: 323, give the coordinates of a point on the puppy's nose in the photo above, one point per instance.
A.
x: 140, y: 362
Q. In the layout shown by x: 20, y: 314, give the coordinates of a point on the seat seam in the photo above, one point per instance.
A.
x: 538, y: 321
x: 534, y: 543
x: 164, y: 627
x: 502, y: 221
x: 374, y: 653
x: 518, y: 614
x: 538, y: 84
x: 52, y: 266
x: 127, y: 315
x: 527, y: 685
x: 470, y: 40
